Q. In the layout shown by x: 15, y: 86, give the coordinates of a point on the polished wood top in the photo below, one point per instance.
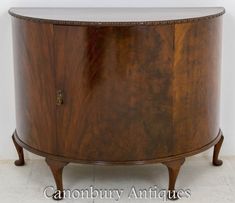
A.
x: 116, y: 15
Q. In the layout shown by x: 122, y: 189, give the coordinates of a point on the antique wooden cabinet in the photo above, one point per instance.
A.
x: 117, y: 86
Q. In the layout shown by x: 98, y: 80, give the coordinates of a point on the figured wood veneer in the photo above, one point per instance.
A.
x: 117, y: 92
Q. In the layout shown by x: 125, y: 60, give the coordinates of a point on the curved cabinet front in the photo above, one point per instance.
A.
x: 129, y: 93
x: 93, y: 89
x: 35, y: 84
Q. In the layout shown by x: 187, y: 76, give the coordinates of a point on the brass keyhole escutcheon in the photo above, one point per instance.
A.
x: 59, y: 97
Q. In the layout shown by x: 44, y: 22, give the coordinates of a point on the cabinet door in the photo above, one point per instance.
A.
x: 116, y: 84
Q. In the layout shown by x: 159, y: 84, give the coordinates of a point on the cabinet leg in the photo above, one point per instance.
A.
x: 19, y: 149
x: 217, y: 147
x: 57, y: 170
x: 173, y: 170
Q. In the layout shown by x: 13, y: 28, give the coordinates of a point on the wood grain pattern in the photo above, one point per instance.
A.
x: 113, y: 94
x: 196, y: 84
x: 117, y: 103
x: 131, y: 94
x: 104, y: 163
x: 35, y: 84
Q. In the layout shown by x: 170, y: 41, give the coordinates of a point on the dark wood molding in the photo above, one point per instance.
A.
x: 107, y: 163
x: 95, y: 23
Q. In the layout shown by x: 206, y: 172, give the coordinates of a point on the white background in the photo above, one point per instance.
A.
x: 7, y: 108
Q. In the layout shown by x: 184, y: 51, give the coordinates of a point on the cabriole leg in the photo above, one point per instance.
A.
x: 19, y: 149
x: 57, y: 170
x: 173, y: 169
x: 217, y: 147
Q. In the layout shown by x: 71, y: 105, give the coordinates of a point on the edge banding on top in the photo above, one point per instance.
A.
x: 13, y: 13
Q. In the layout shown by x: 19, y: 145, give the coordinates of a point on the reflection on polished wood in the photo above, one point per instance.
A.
x: 117, y: 92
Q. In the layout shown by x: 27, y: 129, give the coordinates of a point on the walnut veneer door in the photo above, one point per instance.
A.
x: 35, y: 84
x: 117, y: 92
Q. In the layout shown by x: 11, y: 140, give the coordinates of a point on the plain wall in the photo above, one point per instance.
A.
x: 7, y: 108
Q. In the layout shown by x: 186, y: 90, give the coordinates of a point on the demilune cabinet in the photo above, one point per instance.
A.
x: 117, y: 85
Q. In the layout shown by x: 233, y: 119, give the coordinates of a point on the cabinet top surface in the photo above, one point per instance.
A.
x: 116, y: 15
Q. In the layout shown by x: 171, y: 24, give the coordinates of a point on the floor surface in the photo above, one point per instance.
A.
x: 208, y: 184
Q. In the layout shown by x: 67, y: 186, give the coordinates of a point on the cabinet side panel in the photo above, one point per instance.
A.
x: 117, y: 84
x: 34, y: 84
x: 196, y: 83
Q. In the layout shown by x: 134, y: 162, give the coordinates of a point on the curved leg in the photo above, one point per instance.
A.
x: 173, y: 169
x: 20, y: 152
x: 57, y: 170
x: 217, y: 147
